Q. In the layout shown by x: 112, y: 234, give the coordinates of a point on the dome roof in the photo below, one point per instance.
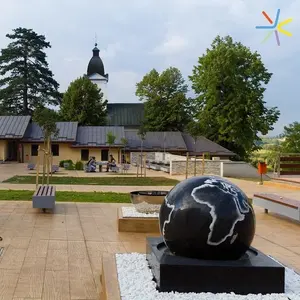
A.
x: 95, y: 64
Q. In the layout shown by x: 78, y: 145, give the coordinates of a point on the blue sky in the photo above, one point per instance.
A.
x: 136, y: 36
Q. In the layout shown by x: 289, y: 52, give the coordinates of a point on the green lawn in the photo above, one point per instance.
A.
x: 128, y: 181
x: 69, y: 196
x: 99, y: 197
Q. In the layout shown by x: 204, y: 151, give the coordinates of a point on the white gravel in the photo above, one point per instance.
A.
x: 145, y: 207
x: 135, y: 281
x: 131, y: 212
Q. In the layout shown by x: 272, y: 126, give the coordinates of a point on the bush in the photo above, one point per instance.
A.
x: 62, y: 162
x: 79, y: 165
x: 70, y: 167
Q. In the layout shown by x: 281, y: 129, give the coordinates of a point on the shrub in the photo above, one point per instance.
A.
x: 71, y: 167
x: 62, y: 162
x: 79, y: 165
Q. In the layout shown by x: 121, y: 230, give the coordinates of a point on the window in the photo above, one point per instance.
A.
x: 34, y: 150
x: 104, y: 155
x: 85, y: 154
x: 55, y: 150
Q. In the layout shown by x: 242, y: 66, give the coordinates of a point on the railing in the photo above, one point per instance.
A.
x: 289, y: 164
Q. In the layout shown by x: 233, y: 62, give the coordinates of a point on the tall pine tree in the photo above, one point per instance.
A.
x: 26, y: 81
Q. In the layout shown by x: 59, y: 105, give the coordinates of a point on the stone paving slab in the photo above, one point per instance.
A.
x: 58, y: 255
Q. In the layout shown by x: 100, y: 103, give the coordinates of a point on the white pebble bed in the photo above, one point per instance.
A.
x: 131, y: 212
x: 135, y: 281
x: 144, y: 207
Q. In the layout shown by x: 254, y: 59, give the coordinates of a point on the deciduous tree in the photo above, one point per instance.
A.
x: 291, y: 143
x: 166, y: 104
x: 229, y: 81
x: 83, y: 102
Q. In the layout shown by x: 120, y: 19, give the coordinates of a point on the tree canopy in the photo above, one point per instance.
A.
x: 26, y: 81
x: 229, y: 82
x: 291, y: 143
x: 83, y: 103
x: 46, y: 118
x: 166, y: 104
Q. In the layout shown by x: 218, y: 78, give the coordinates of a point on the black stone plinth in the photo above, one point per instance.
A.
x: 253, y: 273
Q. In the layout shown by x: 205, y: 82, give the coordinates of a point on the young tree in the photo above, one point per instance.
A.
x: 142, y: 133
x: 230, y: 82
x: 291, y: 144
x: 46, y: 119
x: 26, y: 81
x: 164, y: 95
x: 195, y: 129
x: 124, y: 143
x: 110, y: 140
x: 83, y: 102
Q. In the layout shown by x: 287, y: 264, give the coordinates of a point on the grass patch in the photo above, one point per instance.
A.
x: 96, y: 197
x: 125, y: 181
x: 54, y: 174
x: 99, y: 197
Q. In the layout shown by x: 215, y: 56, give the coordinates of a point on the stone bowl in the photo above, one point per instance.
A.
x: 148, y: 201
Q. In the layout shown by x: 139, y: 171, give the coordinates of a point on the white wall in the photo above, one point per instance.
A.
x: 159, y: 156
x: 101, y: 82
x: 103, y: 86
x: 238, y: 169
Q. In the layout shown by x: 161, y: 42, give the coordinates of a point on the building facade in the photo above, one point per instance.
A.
x: 20, y: 138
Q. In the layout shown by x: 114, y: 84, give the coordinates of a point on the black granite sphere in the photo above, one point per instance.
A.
x: 207, y: 217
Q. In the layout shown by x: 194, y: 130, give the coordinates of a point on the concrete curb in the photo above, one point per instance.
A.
x: 282, y: 185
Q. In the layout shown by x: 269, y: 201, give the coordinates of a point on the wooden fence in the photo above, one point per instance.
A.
x: 289, y: 164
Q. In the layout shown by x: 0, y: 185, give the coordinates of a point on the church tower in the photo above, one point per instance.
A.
x: 95, y: 72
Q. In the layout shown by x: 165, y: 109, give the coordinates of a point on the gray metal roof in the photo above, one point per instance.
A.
x: 67, y: 132
x: 204, y: 145
x: 170, y: 140
x: 97, y: 135
x: 13, y: 127
x: 125, y: 114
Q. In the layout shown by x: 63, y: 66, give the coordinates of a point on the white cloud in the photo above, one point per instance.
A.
x: 72, y: 59
x: 110, y: 51
x: 173, y: 45
x: 122, y: 86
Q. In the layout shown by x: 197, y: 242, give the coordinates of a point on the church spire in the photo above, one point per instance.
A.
x: 96, y: 50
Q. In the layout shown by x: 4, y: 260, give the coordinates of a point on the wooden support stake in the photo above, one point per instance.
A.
x: 44, y: 158
x: 145, y: 158
x: 38, y: 168
x: 187, y: 166
x: 203, y: 163
x: 48, y: 160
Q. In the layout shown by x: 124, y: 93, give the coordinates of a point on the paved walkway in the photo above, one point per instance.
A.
x: 58, y: 255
